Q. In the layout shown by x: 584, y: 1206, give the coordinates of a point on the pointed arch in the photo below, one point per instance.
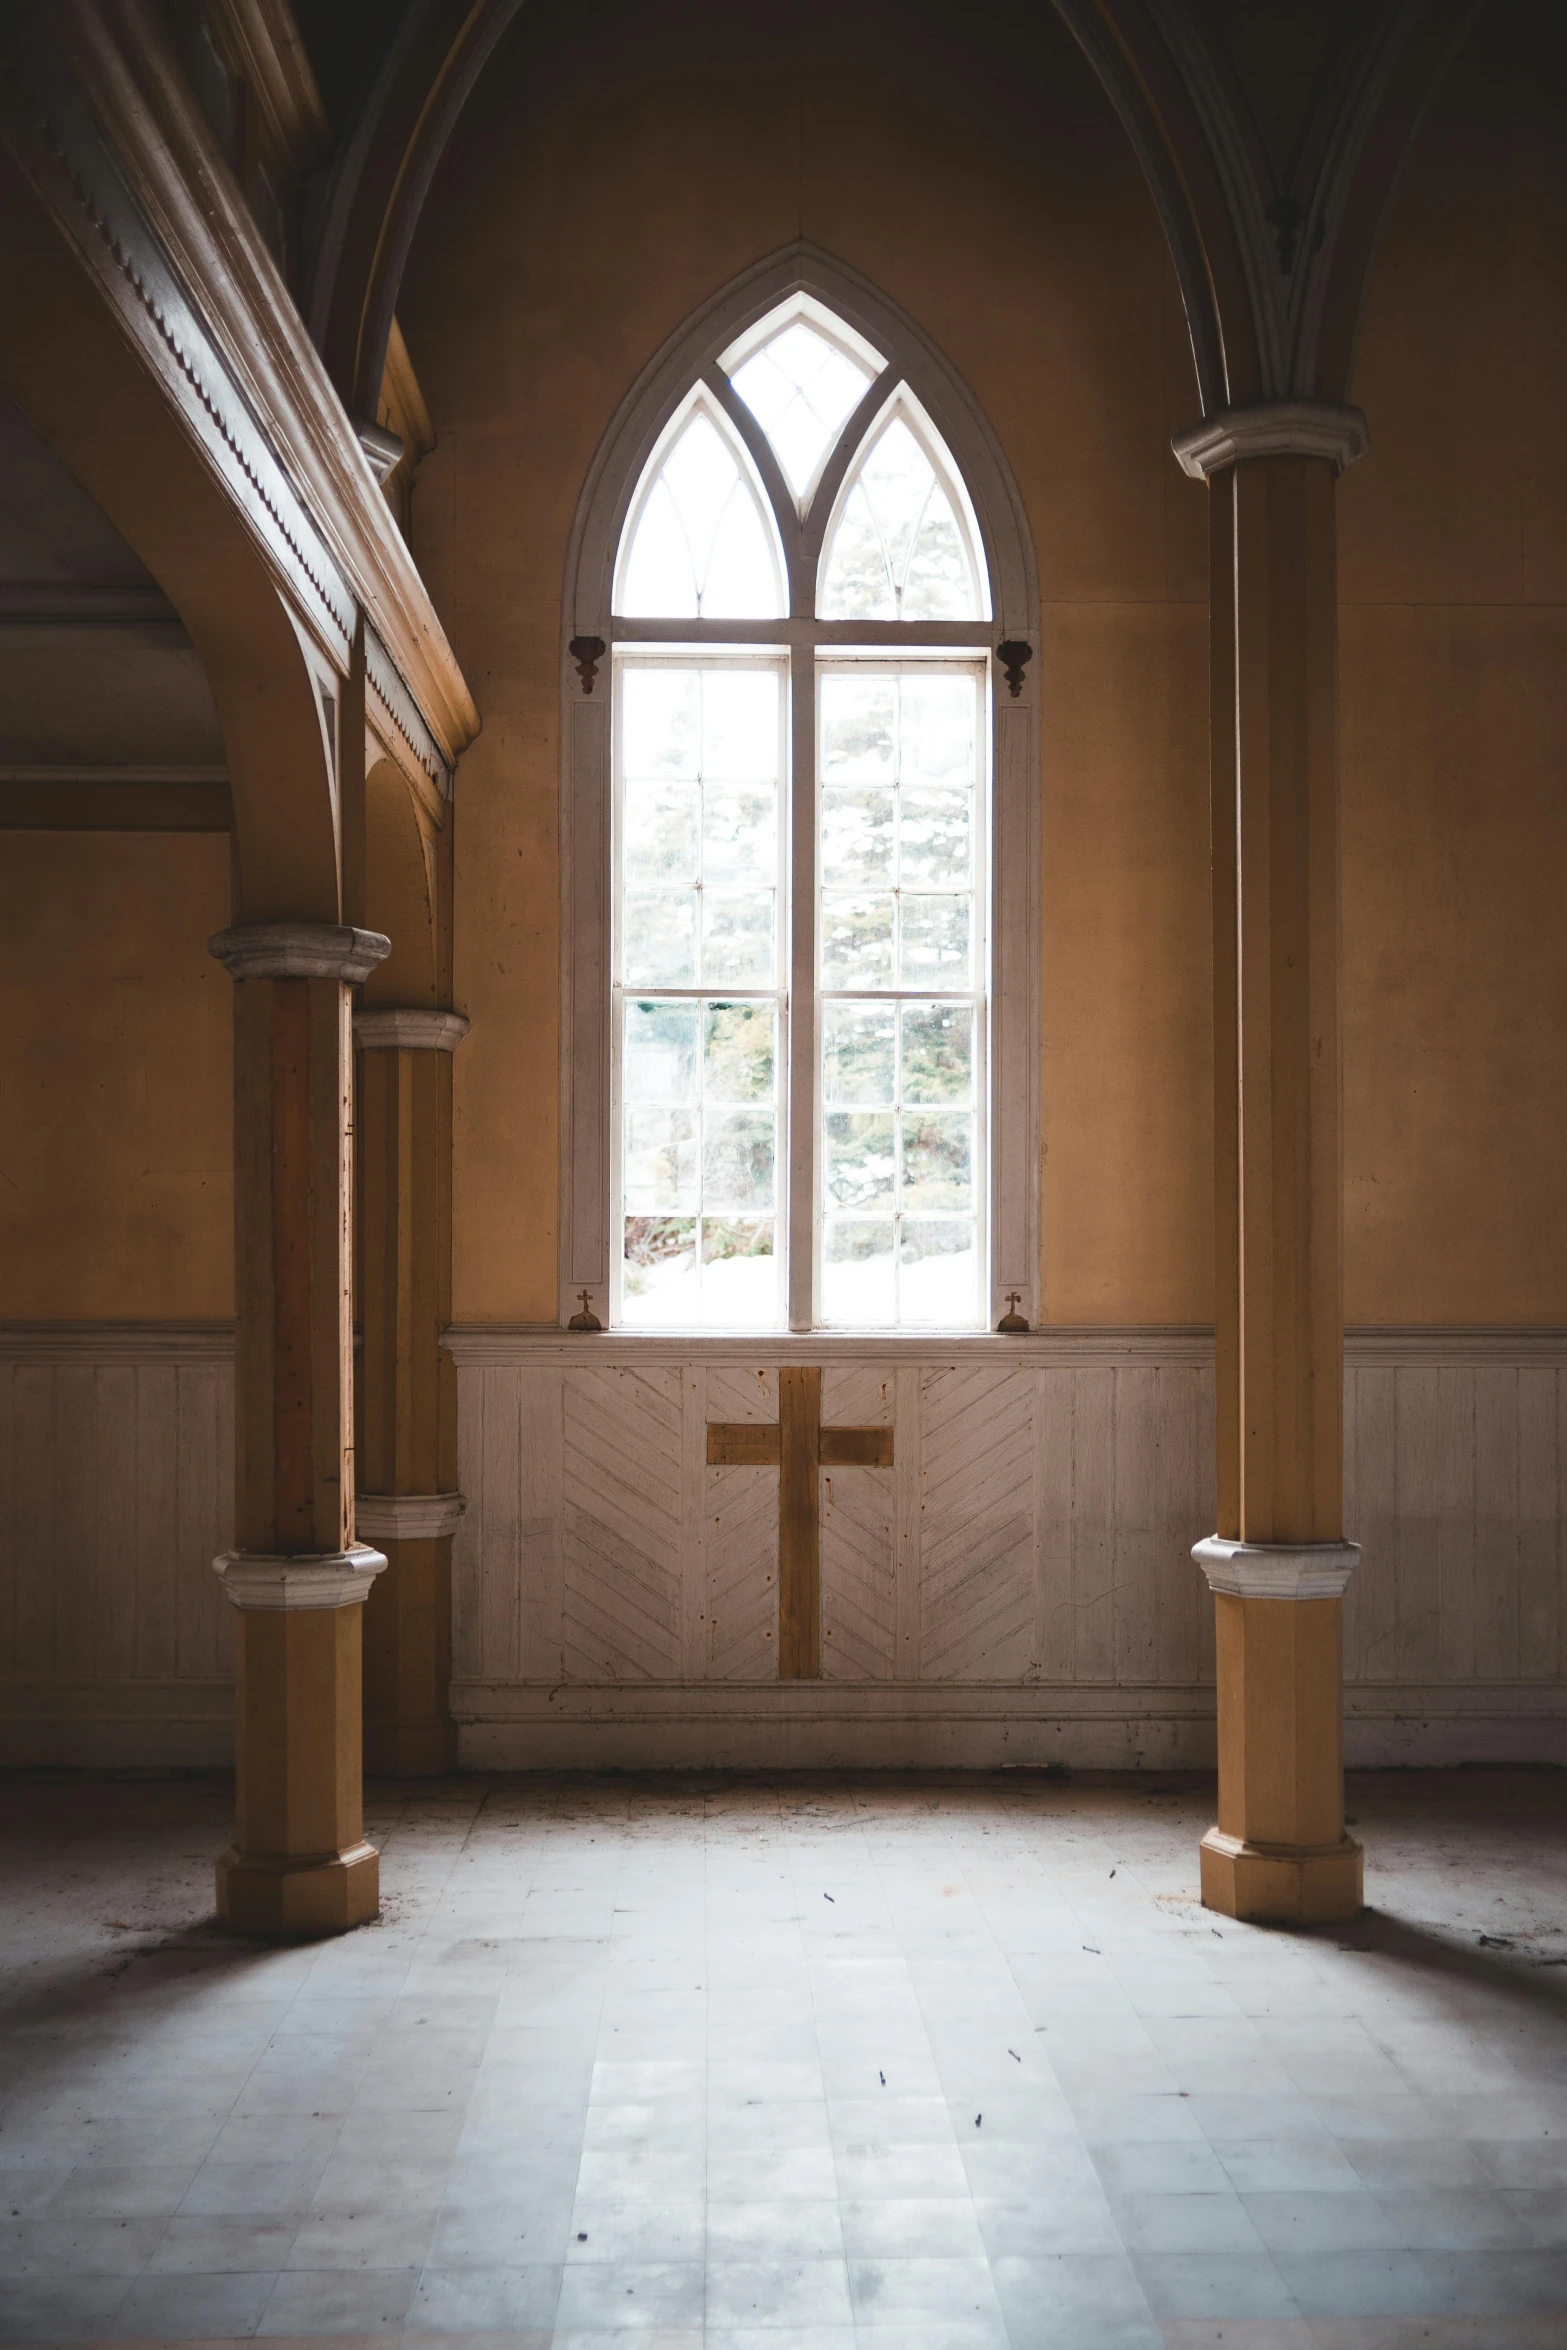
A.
x: 906, y: 387
x: 699, y: 349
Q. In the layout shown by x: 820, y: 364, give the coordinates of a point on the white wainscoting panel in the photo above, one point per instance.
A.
x: 116, y: 1494
x: 1018, y: 1585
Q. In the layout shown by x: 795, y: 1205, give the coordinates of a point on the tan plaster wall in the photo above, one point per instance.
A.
x: 116, y: 1086
x: 984, y: 185
x: 1453, y: 583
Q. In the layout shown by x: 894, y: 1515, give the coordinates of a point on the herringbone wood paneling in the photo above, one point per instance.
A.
x: 977, y: 1528
x: 623, y: 1552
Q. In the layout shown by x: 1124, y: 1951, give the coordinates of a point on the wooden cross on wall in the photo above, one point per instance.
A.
x: 799, y: 1448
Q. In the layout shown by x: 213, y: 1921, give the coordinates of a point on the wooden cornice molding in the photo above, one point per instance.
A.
x: 264, y: 42
x: 99, y: 118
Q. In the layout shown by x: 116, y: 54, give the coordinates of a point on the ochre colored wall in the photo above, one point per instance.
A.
x: 590, y: 203
x: 1453, y: 585
x: 116, y: 1088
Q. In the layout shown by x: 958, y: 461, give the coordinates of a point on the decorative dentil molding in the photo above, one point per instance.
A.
x: 299, y: 950
x: 1276, y: 428
x: 1277, y: 1570
x: 285, y: 1583
x: 409, y: 1031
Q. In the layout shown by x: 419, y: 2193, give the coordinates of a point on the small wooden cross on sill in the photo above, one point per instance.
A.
x: 799, y: 1448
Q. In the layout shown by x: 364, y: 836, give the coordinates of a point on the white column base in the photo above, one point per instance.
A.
x: 1277, y: 1570
x: 262, y: 1579
x: 408, y: 1517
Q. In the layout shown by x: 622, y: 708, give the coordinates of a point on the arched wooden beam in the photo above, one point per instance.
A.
x: 381, y: 179
x: 72, y: 370
x: 1136, y: 72
x: 1434, y: 43
x: 1272, y: 276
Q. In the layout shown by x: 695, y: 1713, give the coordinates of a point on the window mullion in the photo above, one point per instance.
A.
x: 802, y: 1149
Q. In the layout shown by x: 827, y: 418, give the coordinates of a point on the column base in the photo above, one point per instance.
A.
x: 288, y: 1899
x: 1274, y: 1884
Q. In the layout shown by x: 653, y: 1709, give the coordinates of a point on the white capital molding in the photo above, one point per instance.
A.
x: 299, y: 950
x: 1278, y: 428
x: 262, y: 1579
x: 1277, y: 1570
x: 410, y: 1031
x: 408, y: 1517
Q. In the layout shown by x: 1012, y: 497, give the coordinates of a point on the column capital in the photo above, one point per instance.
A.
x: 282, y: 1582
x: 1277, y: 1570
x: 298, y: 950
x: 409, y: 1517
x: 410, y: 1031
x: 1278, y: 428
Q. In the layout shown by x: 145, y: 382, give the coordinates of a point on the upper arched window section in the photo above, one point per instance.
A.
x: 903, y: 543
x: 802, y: 458
x: 802, y: 373
x: 701, y: 545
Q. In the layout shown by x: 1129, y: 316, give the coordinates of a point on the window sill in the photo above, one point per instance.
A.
x: 495, y: 1342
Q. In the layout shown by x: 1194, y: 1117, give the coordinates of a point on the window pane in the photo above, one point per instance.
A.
x: 661, y: 840
x: 660, y: 722
x: 702, y: 547
x: 901, y: 1079
x: 738, y: 1047
x: 802, y: 391
x: 938, y: 1052
x: 699, y: 1126
x: 857, y: 835
x: 859, y: 1282
x: 937, y: 1153
x: 898, y: 552
x: 660, y: 1060
x: 859, y: 1052
x: 859, y: 729
x: 862, y: 1167
x: 740, y: 725
x: 658, y: 938
x: 938, y: 1270
x: 699, y: 1079
x: 737, y: 938
x: 857, y: 935
x: 661, y: 1159
x: 933, y: 950
x: 933, y: 838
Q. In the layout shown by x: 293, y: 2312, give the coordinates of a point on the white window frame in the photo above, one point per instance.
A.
x: 632, y: 653
x: 686, y: 370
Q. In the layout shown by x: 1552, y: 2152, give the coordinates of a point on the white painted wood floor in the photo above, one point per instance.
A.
x: 833, y: 2063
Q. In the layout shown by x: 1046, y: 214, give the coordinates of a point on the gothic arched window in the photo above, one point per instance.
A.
x: 798, y: 931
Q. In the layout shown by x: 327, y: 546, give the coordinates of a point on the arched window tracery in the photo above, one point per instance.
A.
x: 802, y: 1125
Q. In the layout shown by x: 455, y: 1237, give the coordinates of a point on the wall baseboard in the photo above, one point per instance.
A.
x: 822, y: 1726
x: 189, y: 1725
x: 117, y: 1725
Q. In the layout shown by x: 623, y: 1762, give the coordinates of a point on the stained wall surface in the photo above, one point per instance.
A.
x: 1453, y: 584
x: 986, y: 188
x: 116, y: 1081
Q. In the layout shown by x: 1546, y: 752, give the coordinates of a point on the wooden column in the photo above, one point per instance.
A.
x: 408, y: 1420
x: 1278, y: 1563
x: 299, y: 1863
